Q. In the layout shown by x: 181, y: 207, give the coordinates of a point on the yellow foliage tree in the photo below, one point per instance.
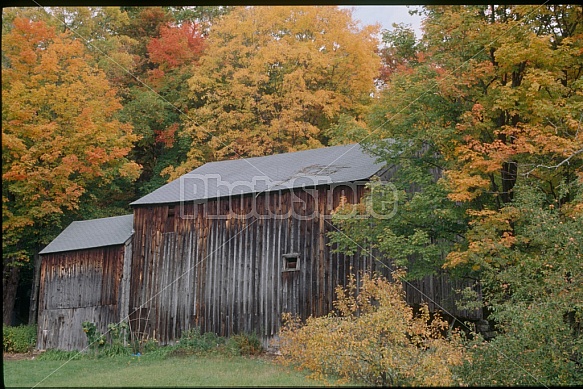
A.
x: 273, y: 79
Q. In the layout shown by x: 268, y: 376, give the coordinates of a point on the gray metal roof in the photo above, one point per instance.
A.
x: 328, y: 165
x: 92, y: 233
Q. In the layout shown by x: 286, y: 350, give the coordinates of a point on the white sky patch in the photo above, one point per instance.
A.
x: 386, y: 15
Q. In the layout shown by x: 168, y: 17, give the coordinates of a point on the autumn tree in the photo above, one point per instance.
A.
x: 158, y: 106
x: 274, y: 79
x: 170, y: 41
x: 100, y: 28
x: 62, y: 145
x: 491, y: 99
x: 144, y: 24
x: 203, y: 15
x: 529, y: 255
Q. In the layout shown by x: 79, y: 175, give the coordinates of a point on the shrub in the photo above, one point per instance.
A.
x: 373, y: 337
x: 245, y: 344
x: 538, y: 348
x: 99, y: 343
x: 20, y: 339
x: 60, y: 355
x: 118, y: 343
x: 197, y: 342
x: 94, y: 337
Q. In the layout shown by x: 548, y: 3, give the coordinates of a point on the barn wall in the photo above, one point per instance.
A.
x: 221, y: 267
x: 78, y: 286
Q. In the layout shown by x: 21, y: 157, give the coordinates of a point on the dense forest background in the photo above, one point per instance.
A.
x: 102, y: 105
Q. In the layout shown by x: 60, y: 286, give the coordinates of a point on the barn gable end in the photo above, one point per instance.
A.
x: 83, y: 279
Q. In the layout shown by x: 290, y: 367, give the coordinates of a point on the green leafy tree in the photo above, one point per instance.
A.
x: 203, y: 15
x: 170, y: 41
x: 532, y: 284
x: 407, y: 125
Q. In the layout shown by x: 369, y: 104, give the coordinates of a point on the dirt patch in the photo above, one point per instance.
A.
x: 20, y: 356
x: 268, y: 356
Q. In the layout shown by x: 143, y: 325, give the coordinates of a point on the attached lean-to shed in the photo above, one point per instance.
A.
x: 233, y: 244
x: 84, y: 277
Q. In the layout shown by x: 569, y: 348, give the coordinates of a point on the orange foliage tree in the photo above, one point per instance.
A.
x: 61, y: 141
x: 176, y: 46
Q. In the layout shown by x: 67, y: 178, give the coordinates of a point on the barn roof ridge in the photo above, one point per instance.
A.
x: 87, y: 234
x: 304, y: 168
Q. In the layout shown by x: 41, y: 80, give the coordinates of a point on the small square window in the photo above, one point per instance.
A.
x: 291, y: 262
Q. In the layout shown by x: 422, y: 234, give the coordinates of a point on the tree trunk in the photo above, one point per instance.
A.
x: 10, y: 275
x: 33, y: 312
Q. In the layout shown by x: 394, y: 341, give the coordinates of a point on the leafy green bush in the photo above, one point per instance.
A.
x: 197, y: 342
x: 118, y: 340
x: 94, y: 337
x: 117, y: 344
x: 20, y: 339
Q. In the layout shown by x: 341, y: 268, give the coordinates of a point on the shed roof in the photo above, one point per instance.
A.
x: 328, y: 165
x: 94, y: 233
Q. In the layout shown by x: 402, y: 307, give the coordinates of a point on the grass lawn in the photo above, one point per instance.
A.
x: 183, y: 371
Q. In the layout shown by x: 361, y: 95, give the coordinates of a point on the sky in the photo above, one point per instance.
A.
x: 386, y: 15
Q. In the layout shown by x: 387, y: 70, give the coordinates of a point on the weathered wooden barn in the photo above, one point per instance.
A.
x: 84, y: 277
x: 232, y: 245
x: 228, y: 248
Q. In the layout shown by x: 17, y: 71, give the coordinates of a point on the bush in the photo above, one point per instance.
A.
x: 94, y: 338
x: 373, y: 338
x: 99, y: 343
x: 20, y: 339
x: 197, y: 342
x: 60, y: 355
x: 538, y: 348
x: 245, y: 344
x: 118, y: 343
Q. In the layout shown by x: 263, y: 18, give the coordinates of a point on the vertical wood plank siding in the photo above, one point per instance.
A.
x: 219, y: 265
x: 78, y: 286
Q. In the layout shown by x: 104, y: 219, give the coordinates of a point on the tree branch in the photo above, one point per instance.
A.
x: 565, y: 161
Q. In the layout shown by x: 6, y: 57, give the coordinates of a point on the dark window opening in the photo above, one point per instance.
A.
x: 291, y: 262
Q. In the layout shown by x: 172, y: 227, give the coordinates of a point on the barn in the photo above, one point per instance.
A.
x: 228, y: 248
x: 233, y: 244
x: 83, y: 278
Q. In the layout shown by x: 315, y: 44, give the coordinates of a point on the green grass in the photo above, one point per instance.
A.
x: 153, y: 371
